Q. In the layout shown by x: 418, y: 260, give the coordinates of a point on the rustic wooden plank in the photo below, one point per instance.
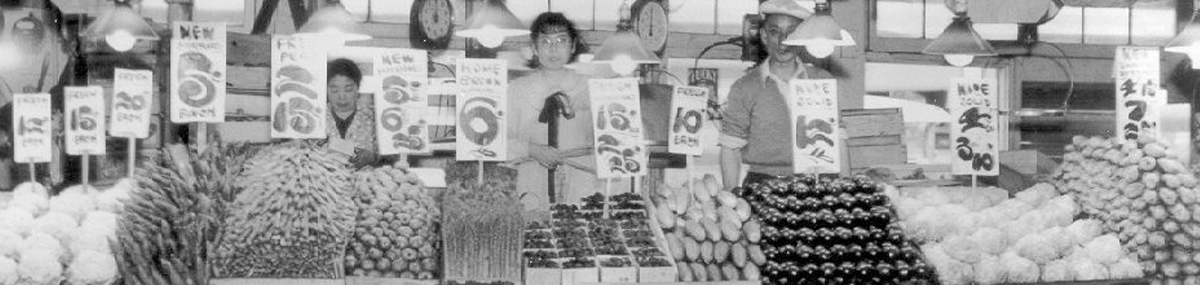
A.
x: 874, y: 141
x: 871, y: 156
x: 873, y: 122
x: 248, y: 50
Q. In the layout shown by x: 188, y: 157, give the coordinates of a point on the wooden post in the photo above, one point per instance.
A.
x: 86, y: 166
x: 131, y: 156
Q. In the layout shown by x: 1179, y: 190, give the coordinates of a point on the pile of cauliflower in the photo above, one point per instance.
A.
x: 1141, y: 191
x: 46, y: 240
x: 1033, y: 237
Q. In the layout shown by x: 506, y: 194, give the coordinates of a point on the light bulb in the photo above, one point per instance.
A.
x: 820, y: 50
x: 1193, y: 52
x: 489, y: 36
x: 623, y: 64
x: 121, y: 40
x: 959, y: 60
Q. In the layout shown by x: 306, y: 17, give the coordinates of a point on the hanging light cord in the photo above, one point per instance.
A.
x: 664, y: 71
x: 731, y: 41
x: 1068, y: 70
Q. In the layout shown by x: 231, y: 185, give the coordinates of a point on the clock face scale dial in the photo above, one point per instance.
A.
x: 652, y: 26
x: 432, y: 23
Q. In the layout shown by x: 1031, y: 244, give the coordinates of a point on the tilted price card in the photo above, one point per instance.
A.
x: 483, y: 86
x: 974, y: 132
x: 298, y: 88
x: 85, y: 120
x: 131, y: 103
x: 620, y: 144
x: 401, y: 105
x: 687, y: 119
x: 33, y: 128
x: 1140, y: 100
x: 198, y: 72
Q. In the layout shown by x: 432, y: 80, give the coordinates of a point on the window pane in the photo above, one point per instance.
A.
x: 607, y: 14
x: 580, y: 11
x: 1066, y: 27
x: 358, y: 8
x: 527, y: 11
x: 901, y: 19
x: 391, y: 11
x: 694, y: 16
x: 228, y: 11
x: 937, y: 17
x: 1154, y: 21
x: 997, y: 31
x: 155, y: 10
x: 730, y: 14
x: 1105, y: 25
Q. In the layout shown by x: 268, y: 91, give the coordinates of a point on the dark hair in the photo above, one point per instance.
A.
x: 344, y: 67
x: 548, y: 22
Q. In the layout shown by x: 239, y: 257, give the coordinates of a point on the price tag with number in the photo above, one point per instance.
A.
x: 132, y: 90
x: 974, y: 133
x: 687, y: 118
x: 400, y: 103
x: 32, y: 128
x: 85, y: 120
x: 816, y: 141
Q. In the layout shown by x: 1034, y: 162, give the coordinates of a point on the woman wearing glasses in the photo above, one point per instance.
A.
x: 549, y: 95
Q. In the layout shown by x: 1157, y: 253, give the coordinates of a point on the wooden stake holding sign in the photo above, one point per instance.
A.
x: 85, y: 116
x: 620, y: 143
x: 33, y: 128
x: 482, y: 122
x: 688, y: 105
x: 132, y: 90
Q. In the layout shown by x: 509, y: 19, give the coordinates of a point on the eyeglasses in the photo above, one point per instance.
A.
x: 548, y: 42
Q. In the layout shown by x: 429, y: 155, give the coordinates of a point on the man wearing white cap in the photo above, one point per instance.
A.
x: 755, y: 127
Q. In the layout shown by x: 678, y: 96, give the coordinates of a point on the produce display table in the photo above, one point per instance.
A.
x: 1096, y: 282
x: 272, y: 281
x: 682, y: 283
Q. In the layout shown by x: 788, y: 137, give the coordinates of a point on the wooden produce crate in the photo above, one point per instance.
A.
x: 1138, y: 281
x: 576, y: 276
x: 276, y: 281
x: 543, y: 276
x: 688, y: 283
x: 874, y: 137
x: 360, y: 280
x: 658, y: 274
x: 626, y: 274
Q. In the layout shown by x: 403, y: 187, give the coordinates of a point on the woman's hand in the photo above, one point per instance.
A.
x: 363, y: 157
x: 547, y: 156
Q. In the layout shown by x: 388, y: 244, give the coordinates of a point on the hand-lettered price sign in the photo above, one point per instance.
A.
x: 620, y: 144
x: 198, y: 72
x: 85, y: 120
x: 131, y: 103
x: 816, y: 146
x: 400, y: 103
x: 687, y: 118
x: 33, y: 128
x: 480, y: 134
x: 298, y: 103
x: 1139, y: 99
x: 975, y: 131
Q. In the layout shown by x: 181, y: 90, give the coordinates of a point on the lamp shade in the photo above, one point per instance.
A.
x: 490, y: 22
x: 1188, y: 41
x: 121, y: 20
x: 960, y: 39
x: 820, y: 29
x: 333, y: 20
x: 623, y: 50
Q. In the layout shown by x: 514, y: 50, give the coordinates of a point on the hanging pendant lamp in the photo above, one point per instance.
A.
x: 332, y: 20
x: 121, y: 27
x: 821, y: 33
x: 959, y: 44
x: 490, y: 22
x: 623, y: 51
